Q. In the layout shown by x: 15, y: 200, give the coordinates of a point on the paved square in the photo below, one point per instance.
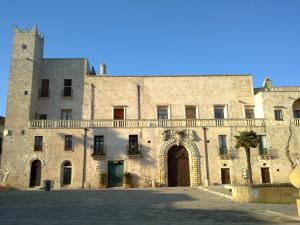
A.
x: 186, y: 206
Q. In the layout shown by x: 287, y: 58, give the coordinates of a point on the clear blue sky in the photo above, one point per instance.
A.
x: 261, y: 37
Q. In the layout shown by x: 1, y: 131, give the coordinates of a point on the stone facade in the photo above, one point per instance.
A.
x: 92, y: 102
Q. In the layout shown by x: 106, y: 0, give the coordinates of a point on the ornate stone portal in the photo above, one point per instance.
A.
x: 186, y: 139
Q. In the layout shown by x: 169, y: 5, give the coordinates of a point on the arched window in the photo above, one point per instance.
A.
x: 66, y: 173
x: 296, y: 108
x: 35, y: 173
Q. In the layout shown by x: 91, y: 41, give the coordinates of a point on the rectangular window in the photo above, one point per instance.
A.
x: 44, y: 92
x: 222, y: 145
x: 67, y: 92
x: 38, y: 143
x: 99, y: 145
x: 68, y: 142
x: 278, y: 114
x: 43, y: 117
x: 297, y: 114
x: 190, y: 112
x: 249, y: 113
x: 263, y: 149
x: 162, y: 112
x: 219, y: 112
x: 66, y: 114
x: 133, y: 145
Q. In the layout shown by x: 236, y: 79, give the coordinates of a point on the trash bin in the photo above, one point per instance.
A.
x: 47, y: 185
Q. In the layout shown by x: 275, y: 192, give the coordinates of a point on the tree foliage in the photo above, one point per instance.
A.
x: 246, y: 139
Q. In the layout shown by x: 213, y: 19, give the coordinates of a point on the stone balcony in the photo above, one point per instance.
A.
x: 154, y: 123
x: 296, y: 122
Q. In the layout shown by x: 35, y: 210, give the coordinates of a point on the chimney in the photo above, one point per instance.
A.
x: 103, y: 69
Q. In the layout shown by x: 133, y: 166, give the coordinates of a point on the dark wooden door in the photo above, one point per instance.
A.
x: 225, y: 175
x: 115, y: 173
x: 35, y: 173
x: 265, y: 175
x: 118, y: 114
x: 178, y: 167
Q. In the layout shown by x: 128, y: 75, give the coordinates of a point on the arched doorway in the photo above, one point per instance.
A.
x: 178, y: 167
x: 35, y: 173
x: 66, y: 173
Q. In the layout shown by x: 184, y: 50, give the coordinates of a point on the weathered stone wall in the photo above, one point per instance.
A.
x: 235, y: 92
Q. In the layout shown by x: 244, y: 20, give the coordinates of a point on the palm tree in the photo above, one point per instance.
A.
x: 247, y: 140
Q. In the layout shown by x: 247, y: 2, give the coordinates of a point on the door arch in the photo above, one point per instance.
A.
x: 178, y: 166
x: 35, y: 173
x: 66, y: 173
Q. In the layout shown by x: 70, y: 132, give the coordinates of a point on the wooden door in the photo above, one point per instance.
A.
x: 35, y: 173
x: 115, y: 173
x: 118, y: 113
x: 67, y: 173
x: 225, y: 175
x: 178, y: 167
x: 265, y: 175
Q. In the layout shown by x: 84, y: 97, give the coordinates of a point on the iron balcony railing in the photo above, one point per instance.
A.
x: 151, y: 123
x: 99, y: 150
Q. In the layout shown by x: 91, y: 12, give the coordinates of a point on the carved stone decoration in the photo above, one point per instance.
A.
x: 267, y: 84
x: 178, y: 135
x: 164, y: 135
x: 194, y: 158
x: 191, y: 135
x: 4, y: 174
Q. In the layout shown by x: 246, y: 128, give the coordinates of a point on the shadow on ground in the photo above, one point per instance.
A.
x: 159, y: 206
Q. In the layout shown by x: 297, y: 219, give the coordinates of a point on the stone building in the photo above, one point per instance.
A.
x: 68, y: 125
x: 2, y: 119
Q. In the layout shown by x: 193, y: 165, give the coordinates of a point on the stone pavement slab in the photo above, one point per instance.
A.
x: 160, y: 206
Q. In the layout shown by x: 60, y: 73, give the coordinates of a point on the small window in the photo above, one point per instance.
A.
x: 162, y: 112
x: 68, y: 142
x: 278, y: 114
x: 44, y: 92
x: 9, y: 132
x: 24, y: 46
x: 99, y: 145
x: 43, y: 117
x: 249, y: 113
x: 38, y: 143
x: 25, y: 92
x: 219, y: 112
x: 67, y: 92
x: 222, y: 145
x: 263, y: 149
x: 133, y: 145
x: 66, y: 114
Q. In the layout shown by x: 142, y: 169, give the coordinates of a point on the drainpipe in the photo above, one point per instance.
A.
x: 206, y: 157
x: 84, y: 159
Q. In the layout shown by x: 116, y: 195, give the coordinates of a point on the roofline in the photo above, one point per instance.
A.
x: 175, y: 75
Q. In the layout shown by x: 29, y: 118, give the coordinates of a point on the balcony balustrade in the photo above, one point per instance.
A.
x: 296, y: 122
x: 155, y: 123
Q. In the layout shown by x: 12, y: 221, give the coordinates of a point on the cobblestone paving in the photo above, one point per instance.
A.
x: 184, y: 206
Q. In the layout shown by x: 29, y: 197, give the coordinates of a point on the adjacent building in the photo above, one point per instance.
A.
x: 66, y: 124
